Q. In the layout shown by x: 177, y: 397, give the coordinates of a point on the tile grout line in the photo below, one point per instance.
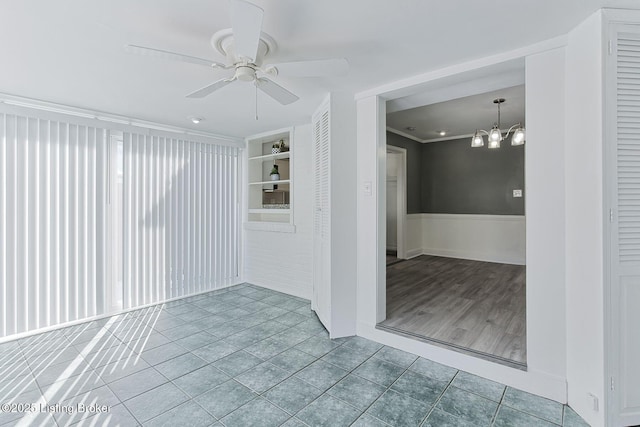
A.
x: 495, y: 416
x: 388, y: 388
x: 323, y: 392
x: 433, y: 407
x: 364, y: 412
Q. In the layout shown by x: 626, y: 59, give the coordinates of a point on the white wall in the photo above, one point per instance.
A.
x: 283, y: 261
x: 343, y: 215
x: 371, y: 166
x: 544, y: 209
x: 491, y: 238
x: 584, y: 213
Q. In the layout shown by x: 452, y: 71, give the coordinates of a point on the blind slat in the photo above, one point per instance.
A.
x: 3, y: 226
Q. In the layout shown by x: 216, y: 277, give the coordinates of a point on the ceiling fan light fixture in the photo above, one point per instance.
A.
x: 245, y: 73
x: 477, y: 140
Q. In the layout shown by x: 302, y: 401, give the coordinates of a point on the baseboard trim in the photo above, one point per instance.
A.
x: 300, y: 292
x: 414, y: 253
x: 466, y: 217
x: 486, y: 257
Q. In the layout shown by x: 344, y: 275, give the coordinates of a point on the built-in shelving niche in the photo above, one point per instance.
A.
x: 269, y: 200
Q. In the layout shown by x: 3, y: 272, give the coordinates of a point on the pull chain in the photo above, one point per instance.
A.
x: 255, y: 83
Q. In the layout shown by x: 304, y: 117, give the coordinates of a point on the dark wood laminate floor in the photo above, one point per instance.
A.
x: 479, y: 306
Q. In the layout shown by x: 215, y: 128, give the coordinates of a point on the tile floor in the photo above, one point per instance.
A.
x: 244, y: 356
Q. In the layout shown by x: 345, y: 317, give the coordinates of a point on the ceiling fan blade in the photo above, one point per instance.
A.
x: 209, y: 89
x: 246, y: 21
x: 165, y: 54
x: 318, y: 68
x: 276, y: 91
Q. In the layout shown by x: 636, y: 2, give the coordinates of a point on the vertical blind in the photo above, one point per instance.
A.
x: 180, y: 218
x: 52, y: 222
x: 178, y: 222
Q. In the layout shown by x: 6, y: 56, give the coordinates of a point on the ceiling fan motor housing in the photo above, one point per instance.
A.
x: 223, y: 42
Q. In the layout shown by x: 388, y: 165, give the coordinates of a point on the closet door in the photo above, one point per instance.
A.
x: 321, y: 216
x: 623, y: 171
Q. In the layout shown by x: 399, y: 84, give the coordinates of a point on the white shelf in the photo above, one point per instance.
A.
x: 278, y: 227
x: 270, y: 211
x: 283, y: 155
x: 282, y: 181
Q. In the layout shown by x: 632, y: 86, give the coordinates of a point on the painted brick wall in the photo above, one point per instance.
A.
x: 284, y: 261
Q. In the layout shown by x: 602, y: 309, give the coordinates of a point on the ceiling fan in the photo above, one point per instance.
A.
x: 245, y: 47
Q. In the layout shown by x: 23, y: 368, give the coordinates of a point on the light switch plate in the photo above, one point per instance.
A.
x: 517, y: 193
x: 367, y: 188
x: 593, y: 401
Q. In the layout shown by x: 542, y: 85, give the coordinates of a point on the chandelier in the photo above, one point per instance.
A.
x: 494, y: 136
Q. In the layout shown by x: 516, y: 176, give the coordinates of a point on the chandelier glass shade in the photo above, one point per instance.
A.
x: 495, y: 137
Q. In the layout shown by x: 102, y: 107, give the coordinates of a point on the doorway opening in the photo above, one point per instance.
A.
x: 461, y: 282
x: 396, y: 204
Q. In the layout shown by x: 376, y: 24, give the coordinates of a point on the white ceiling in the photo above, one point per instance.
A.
x: 71, y: 51
x: 461, y: 116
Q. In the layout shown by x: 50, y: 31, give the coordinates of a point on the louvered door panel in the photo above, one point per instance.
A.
x: 628, y: 147
x: 324, y: 173
x: 317, y: 184
x: 321, y: 132
x: 624, y: 154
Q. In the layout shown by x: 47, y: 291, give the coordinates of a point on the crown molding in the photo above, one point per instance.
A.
x: 426, y: 141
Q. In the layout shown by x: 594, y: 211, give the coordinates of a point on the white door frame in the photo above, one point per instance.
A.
x: 401, y: 200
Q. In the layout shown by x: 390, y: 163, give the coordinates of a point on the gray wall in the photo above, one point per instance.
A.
x: 452, y: 177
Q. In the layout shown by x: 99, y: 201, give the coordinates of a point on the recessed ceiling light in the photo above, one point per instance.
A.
x: 196, y: 120
x: 442, y: 133
x: 410, y: 128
